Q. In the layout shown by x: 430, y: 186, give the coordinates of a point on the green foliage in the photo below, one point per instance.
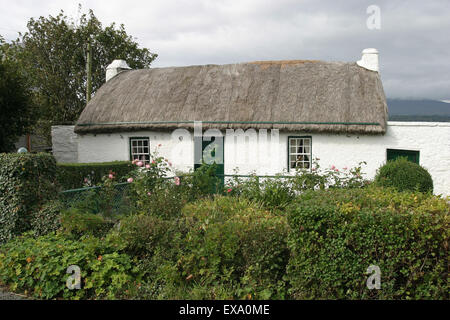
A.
x: 27, y: 182
x: 16, y: 108
x: 48, y: 218
x: 38, y: 267
x: 404, y: 175
x: 140, y: 235
x: 78, y: 175
x: 77, y: 224
x: 279, y: 191
x: 225, y: 248
x: 53, y: 55
x: 337, y: 234
x: 273, y: 193
x: 158, y: 191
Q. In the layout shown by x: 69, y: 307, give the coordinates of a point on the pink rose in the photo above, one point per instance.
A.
x: 229, y: 190
x: 111, y: 176
x: 130, y: 180
x: 149, y: 193
x: 177, y: 181
x: 140, y: 164
x: 333, y: 167
x: 147, y: 166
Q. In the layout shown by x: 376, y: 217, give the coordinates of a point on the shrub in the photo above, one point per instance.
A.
x: 27, y: 181
x: 337, y: 234
x: 278, y: 191
x: 78, y: 224
x: 48, y: 218
x: 78, y: 175
x: 38, y: 266
x: 232, y: 246
x: 273, y: 193
x: 404, y: 175
x: 140, y: 235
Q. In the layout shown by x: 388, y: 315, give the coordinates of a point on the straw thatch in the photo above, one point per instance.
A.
x: 317, y: 96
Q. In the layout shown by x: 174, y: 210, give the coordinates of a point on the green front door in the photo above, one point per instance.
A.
x: 212, y: 152
x: 412, y: 156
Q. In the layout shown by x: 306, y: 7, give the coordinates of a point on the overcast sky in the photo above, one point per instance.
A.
x: 413, y: 41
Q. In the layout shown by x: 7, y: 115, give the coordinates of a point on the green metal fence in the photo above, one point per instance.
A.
x: 91, y: 199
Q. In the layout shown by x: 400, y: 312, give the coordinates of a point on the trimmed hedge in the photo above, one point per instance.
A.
x: 73, y: 175
x: 337, y: 234
x: 404, y: 175
x: 221, y: 248
x: 27, y: 182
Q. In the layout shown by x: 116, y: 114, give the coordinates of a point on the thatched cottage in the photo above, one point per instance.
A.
x: 265, y: 117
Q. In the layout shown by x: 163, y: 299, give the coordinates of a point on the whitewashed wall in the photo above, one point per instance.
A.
x: 64, y: 144
x: 431, y: 139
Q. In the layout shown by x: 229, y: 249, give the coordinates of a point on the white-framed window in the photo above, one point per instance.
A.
x: 299, y: 153
x: 140, y: 149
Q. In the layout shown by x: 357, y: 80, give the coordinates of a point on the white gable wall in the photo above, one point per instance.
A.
x: 431, y: 139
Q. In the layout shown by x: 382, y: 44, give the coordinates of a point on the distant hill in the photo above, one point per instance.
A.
x: 418, y: 110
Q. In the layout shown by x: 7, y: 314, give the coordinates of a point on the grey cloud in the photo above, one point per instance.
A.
x: 413, y: 41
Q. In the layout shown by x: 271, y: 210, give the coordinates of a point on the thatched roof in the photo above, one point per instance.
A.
x: 296, y: 95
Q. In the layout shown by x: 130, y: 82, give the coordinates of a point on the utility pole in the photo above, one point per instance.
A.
x: 89, y: 72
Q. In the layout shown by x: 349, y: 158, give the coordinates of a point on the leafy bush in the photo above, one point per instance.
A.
x: 404, y: 175
x: 232, y: 246
x: 48, y: 218
x: 78, y: 175
x: 78, y: 224
x: 27, y: 182
x: 38, y: 267
x: 278, y: 191
x: 273, y: 193
x: 337, y: 234
x: 139, y: 235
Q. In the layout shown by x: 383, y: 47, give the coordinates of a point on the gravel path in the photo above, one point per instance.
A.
x: 5, y: 295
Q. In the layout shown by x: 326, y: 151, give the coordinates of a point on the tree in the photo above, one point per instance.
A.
x: 52, y: 54
x: 16, y: 108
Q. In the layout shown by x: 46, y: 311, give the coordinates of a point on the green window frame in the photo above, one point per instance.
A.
x: 411, y: 155
x: 140, y: 149
x: 299, y: 152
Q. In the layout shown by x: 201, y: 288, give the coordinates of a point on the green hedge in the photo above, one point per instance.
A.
x: 337, y: 234
x: 73, y: 175
x: 27, y: 182
x: 221, y: 248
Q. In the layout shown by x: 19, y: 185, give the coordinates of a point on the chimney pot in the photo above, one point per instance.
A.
x: 116, y: 67
x: 369, y: 59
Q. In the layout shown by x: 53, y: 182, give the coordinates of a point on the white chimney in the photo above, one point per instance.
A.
x: 116, y: 67
x: 369, y: 59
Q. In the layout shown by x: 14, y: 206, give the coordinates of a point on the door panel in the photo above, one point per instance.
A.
x: 212, y: 152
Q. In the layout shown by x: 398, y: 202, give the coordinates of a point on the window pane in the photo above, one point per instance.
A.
x: 140, y: 149
x: 299, y: 153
